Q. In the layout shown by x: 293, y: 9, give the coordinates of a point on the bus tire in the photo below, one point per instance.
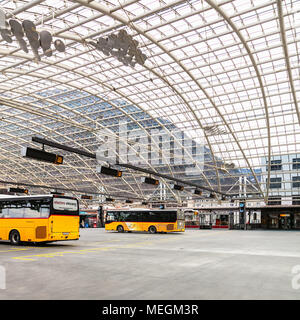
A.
x: 14, y: 237
x: 152, y: 230
x: 120, y: 228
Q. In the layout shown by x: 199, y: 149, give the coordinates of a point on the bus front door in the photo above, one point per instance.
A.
x: 132, y: 226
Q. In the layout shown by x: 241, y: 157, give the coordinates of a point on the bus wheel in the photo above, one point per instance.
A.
x: 152, y: 229
x: 120, y: 229
x: 14, y: 237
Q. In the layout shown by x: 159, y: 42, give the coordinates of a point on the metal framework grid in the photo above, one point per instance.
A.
x: 229, y: 65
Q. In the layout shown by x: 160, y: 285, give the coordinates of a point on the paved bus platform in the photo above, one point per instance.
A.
x: 196, y: 264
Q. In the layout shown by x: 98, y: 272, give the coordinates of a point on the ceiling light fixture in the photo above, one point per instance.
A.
x: 26, y: 28
x: 198, y: 192
x: 109, y: 171
x: 177, y: 187
x: 122, y: 46
x: 149, y: 180
x: 18, y: 190
x: 41, y: 155
x: 86, y: 197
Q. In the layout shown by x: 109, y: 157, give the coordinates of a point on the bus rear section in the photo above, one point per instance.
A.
x: 151, y: 221
x: 39, y: 219
x: 64, y: 219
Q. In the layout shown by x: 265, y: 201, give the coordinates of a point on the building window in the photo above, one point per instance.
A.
x: 296, y: 182
x: 276, y: 165
x: 296, y: 163
x: 296, y: 201
x: 275, y: 183
x: 273, y: 201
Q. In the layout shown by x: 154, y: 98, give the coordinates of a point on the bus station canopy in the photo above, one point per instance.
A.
x: 226, y: 74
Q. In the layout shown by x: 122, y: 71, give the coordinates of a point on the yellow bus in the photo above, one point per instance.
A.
x: 149, y: 220
x: 41, y: 218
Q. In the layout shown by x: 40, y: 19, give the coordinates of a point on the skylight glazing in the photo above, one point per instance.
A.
x: 225, y: 74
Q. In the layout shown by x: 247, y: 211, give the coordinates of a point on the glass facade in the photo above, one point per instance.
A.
x: 286, y: 181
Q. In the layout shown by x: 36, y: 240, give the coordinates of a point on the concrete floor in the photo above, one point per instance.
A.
x: 197, y: 264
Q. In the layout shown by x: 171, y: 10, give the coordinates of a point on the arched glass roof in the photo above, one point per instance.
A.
x: 219, y: 88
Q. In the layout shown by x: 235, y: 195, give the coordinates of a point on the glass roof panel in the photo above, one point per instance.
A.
x: 224, y: 78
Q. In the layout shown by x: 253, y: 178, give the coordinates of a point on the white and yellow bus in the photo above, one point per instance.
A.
x: 149, y: 220
x: 41, y: 218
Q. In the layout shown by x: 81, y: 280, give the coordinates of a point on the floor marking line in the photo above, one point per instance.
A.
x: 61, y: 254
x: 89, y: 250
x: 13, y: 250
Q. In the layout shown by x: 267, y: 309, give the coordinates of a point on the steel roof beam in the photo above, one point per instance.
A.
x: 129, y: 166
x: 286, y: 55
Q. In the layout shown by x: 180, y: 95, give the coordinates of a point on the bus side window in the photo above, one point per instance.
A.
x: 122, y: 216
x: 132, y: 216
x: 44, y: 211
x: 31, y: 210
x: 5, y: 212
x: 146, y: 216
x: 110, y: 216
x: 152, y: 216
x: 165, y: 216
x: 173, y: 216
x: 117, y: 216
x: 29, y: 213
x: 140, y: 216
x: 16, y: 212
